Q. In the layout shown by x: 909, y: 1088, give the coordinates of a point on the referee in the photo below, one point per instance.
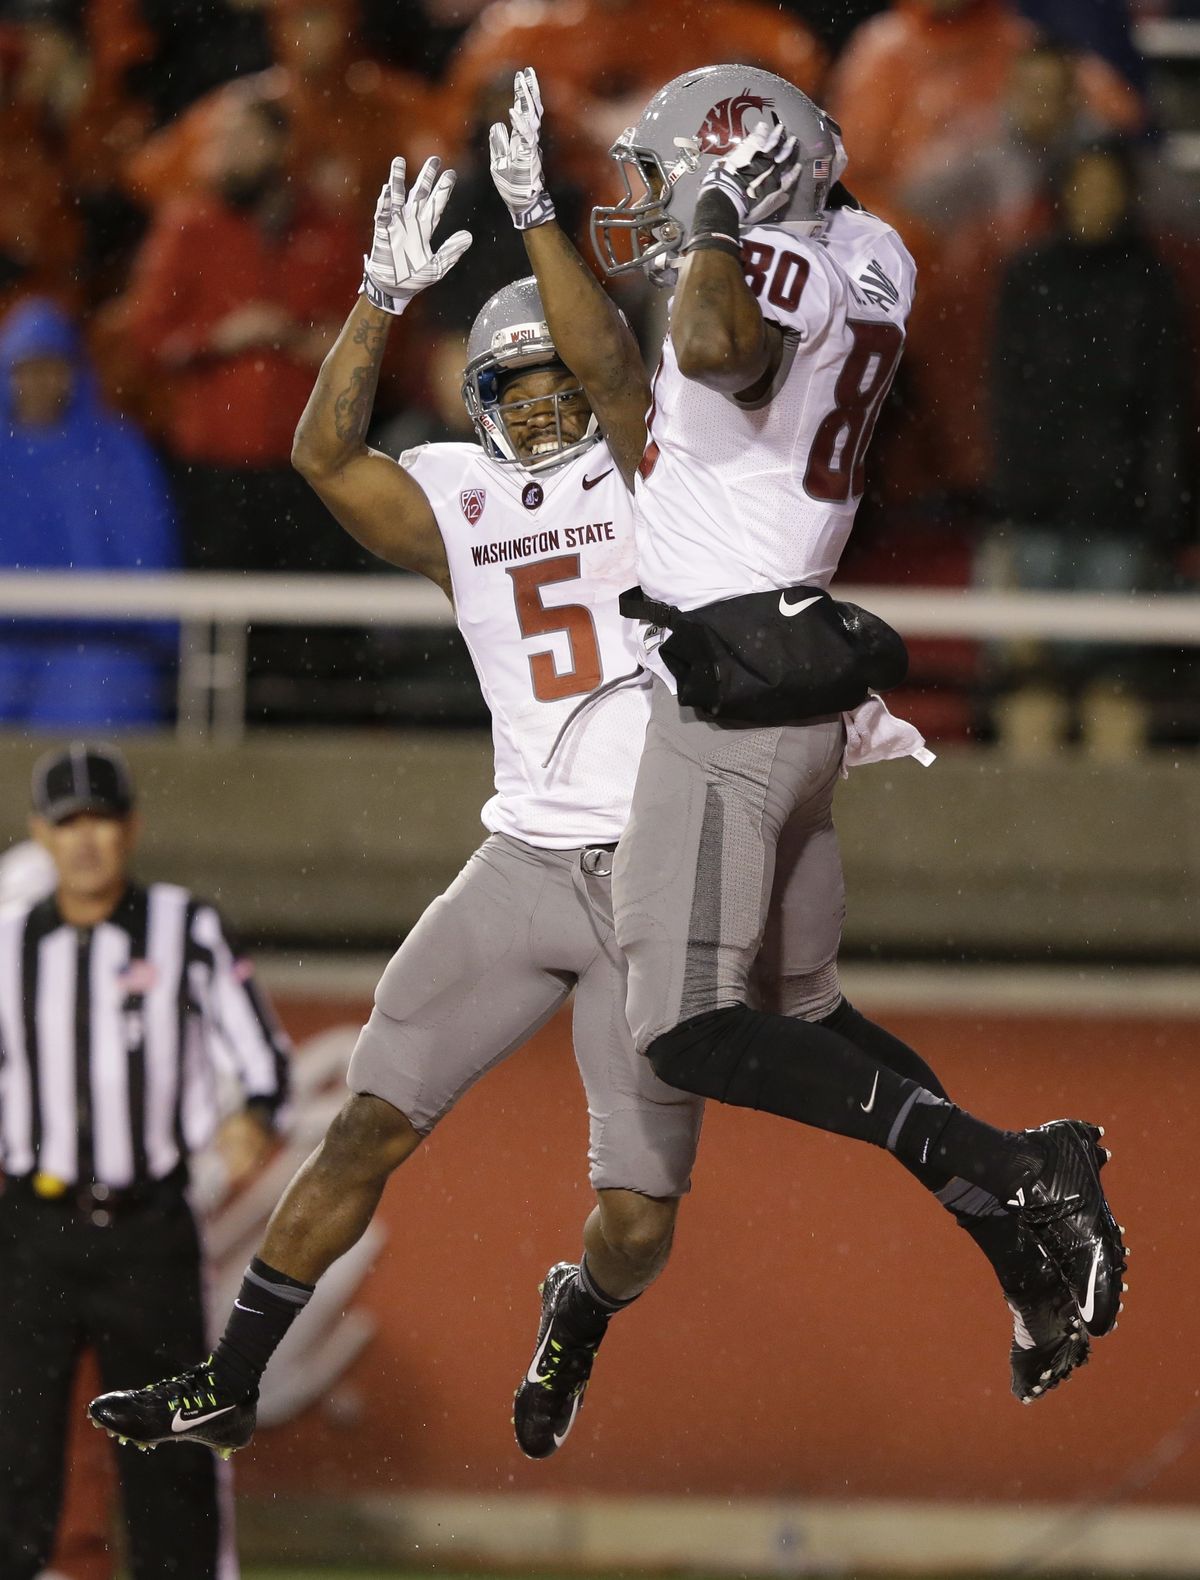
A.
x: 119, y: 1007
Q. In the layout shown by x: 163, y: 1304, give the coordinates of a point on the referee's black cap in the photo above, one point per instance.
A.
x: 82, y: 777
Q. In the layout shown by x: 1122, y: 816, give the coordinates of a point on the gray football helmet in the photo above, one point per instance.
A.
x: 663, y: 159
x: 510, y: 336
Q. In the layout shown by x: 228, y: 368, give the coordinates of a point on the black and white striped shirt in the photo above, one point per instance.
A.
x: 114, y: 1040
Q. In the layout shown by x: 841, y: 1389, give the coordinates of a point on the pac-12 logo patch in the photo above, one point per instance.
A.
x: 532, y: 496
x: 723, y: 128
x: 472, y: 501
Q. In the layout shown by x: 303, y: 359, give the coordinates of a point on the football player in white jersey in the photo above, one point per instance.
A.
x: 786, y: 326
x: 530, y: 534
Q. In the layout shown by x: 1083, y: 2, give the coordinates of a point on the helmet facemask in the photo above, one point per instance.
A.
x: 638, y: 229
x: 484, y: 384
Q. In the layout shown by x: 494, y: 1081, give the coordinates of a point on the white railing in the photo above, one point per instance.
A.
x: 1168, y: 38
x: 215, y: 608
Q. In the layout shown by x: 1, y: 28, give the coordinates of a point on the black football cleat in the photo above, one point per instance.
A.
x: 1065, y: 1211
x: 190, y: 1408
x: 551, y: 1392
x: 1049, y: 1339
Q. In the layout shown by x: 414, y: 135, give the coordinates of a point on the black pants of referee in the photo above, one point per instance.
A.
x: 131, y: 1290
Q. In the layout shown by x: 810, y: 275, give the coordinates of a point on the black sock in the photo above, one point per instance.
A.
x: 804, y: 1071
x: 945, y: 1137
x: 586, y: 1308
x: 266, y: 1306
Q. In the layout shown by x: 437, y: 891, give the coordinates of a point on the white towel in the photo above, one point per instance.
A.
x: 873, y: 735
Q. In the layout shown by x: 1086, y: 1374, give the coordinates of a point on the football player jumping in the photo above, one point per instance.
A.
x: 786, y: 326
x: 530, y: 534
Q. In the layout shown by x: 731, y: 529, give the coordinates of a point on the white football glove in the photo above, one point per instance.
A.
x: 758, y: 176
x: 402, y: 259
x: 516, y: 156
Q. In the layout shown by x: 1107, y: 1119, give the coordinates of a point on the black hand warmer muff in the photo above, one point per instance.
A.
x: 774, y: 657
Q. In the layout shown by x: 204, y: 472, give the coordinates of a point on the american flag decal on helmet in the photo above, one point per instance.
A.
x: 473, y: 500
x: 726, y: 123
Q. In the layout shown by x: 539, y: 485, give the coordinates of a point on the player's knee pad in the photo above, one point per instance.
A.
x: 704, y: 1054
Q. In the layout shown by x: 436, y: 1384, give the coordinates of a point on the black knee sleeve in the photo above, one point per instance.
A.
x: 881, y: 1045
x: 779, y: 1065
x: 703, y: 1055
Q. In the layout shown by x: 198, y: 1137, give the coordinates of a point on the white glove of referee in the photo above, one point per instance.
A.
x: 402, y: 260
x: 516, y: 156
x: 758, y: 176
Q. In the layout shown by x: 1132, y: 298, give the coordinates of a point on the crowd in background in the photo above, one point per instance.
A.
x: 185, y: 191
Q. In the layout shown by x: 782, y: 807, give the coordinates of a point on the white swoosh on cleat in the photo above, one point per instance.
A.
x: 179, y: 1424
x: 1088, y: 1304
x: 561, y: 1437
x: 789, y: 609
x: 533, y: 1375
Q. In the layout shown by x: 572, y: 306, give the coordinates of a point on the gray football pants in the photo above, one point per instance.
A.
x: 727, y: 884
x: 488, y: 964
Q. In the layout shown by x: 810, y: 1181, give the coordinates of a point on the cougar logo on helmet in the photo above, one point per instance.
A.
x: 725, y: 124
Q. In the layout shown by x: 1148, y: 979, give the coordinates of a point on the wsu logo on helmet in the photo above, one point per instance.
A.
x: 725, y: 124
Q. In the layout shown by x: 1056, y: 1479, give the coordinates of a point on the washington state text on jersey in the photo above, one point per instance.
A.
x: 543, y: 543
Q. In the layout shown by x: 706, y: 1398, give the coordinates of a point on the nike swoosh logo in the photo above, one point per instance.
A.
x: 590, y: 482
x: 790, y: 609
x: 867, y: 1107
x: 1088, y: 1307
x: 253, y: 1310
x: 561, y: 1437
x: 533, y: 1375
x: 182, y: 1423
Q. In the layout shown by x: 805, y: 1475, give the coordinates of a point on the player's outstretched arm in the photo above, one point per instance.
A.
x: 373, y: 498
x: 720, y: 337
x: 586, y: 326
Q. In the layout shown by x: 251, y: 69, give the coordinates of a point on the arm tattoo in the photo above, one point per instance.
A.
x: 352, y: 408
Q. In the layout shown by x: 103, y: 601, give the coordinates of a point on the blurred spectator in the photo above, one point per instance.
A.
x: 348, y: 115
x: 69, y: 89
x: 235, y: 298
x: 186, y: 49
x: 599, y: 61
x: 990, y: 197
x: 39, y: 232
x: 1093, y: 27
x: 922, y: 92
x: 81, y: 491
x: 420, y: 34
x: 927, y: 81
x: 1090, y: 394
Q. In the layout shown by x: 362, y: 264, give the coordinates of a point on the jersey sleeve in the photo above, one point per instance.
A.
x: 442, y: 470
x: 790, y: 277
x: 415, y: 459
x: 240, y: 1018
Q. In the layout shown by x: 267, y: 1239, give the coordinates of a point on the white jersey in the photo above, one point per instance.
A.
x: 537, y: 565
x: 745, y: 496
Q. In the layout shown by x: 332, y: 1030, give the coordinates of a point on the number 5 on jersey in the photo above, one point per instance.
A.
x: 550, y: 684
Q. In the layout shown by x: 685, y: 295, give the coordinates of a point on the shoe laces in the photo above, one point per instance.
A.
x: 566, y: 1366
x: 192, y: 1388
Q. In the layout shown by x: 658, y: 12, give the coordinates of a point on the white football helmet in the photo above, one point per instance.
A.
x: 510, y: 336
x: 693, y: 120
